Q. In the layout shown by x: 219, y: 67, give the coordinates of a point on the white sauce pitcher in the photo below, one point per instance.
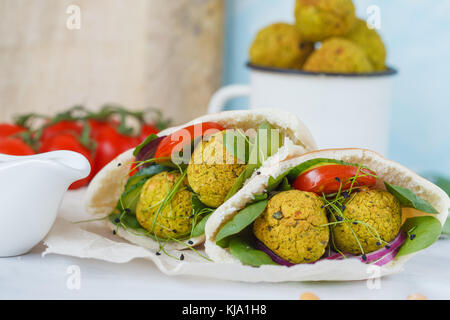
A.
x: 31, y: 191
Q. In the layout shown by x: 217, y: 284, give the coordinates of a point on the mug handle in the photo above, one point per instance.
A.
x: 220, y: 98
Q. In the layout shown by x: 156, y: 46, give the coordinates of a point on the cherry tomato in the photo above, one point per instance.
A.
x: 177, y: 140
x: 68, y: 141
x: 146, y: 130
x: 15, y: 147
x: 65, y: 126
x: 328, y: 178
x: 98, y: 125
x: 110, y: 144
x: 7, y: 130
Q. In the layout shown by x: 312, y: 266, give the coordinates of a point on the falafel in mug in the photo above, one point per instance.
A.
x: 338, y: 214
x: 161, y: 194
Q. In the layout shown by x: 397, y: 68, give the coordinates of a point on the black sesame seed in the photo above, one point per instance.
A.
x: 412, y: 236
x: 114, y: 231
x: 343, y: 207
x: 388, y: 247
x: 192, y: 217
x: 127, y: 210
x: 116, y: 220
x: 119, y: 164
x: 182, y: 257
x: 190, y: 242
x: 364, y: 257
x: 337, y: 179
x: 345, y: 194
x: 174, y: 230
x: 338, y: 218
x: 321, y: 207
x: 258, y: 172
x: 378, y: 243
x: 158, y: 253
x: 354, y: 222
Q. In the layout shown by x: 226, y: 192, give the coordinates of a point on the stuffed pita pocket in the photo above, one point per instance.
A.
x: 161, y: 194
x: 341, y: 214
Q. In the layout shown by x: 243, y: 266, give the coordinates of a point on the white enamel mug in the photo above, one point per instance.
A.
x: 341, y: 110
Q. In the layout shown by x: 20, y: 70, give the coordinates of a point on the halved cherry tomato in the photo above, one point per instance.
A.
x: 68, y: 141
x: 64, y: 126
x: 7, y: 130
x: 328, y: 178
x: 179, y: 139
x: 15, y: 147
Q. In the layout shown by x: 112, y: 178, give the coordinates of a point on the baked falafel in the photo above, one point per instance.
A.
x: 338, y: 55
x: 174, y: 220
x: 321, y: 19
x: 294, y: 226
x: 212, y: 171
x: 371, y: 215
x: 280, y: 45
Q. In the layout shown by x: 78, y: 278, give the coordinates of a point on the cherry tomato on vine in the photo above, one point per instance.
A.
x: 328, y: 178
x: 68, y: 141
x: 7, y: 129
x: 15, y: 147
x: 176, y: 141
x: 64, y: 126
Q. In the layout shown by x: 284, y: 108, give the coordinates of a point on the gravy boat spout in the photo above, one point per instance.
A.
x: 31, y: 191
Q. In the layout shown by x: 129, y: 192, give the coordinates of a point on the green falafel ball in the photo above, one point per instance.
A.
x: 369, y: 211
x: 321, y: 19
x: 294, y: 226
x: 338, y: 55
x: 212, y: 171
x: 279, y: 45
x: 370, y: 41
x: 174, y: 220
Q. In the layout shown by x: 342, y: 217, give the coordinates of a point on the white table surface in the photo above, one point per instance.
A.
x: 33, y: 277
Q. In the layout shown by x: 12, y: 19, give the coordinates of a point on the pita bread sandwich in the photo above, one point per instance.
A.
x: 161, y: 194
x: 338, y: 214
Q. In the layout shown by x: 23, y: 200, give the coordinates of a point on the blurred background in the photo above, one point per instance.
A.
x: 173, y: 55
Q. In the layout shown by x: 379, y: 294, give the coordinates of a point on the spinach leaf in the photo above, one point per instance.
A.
x: 236, y: 143
x: 199, y: 228
x: 241, y: 248
x: 409, y: 199
x: 267, y: 142
x: 241, y: 220
x: 422, y: 232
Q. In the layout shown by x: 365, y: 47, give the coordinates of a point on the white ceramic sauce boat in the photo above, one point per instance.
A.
x: 31, y: 191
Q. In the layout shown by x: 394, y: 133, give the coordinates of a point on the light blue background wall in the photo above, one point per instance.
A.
x: 417, y: 36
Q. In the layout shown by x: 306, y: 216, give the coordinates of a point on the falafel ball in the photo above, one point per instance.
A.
x: 338, y: 55
x: 212, y: 170
x: 370, y: 41
x: 294, y: 227
x: 280, y: 45
x: 321, y: 19
x: 377, y: 210
x: 174, y: 220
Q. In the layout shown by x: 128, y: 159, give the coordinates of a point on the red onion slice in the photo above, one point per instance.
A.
x: 390, y: 248
x: 387, y: 258
x: 261, y: 246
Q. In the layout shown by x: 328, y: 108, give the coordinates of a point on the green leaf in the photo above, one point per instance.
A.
x: 266, y: 144
x: 237, y: 144
x: 242, y: 249
x: 129, y: 220
x: 409, y: 199
x: 199, y: 228
x: 146, y: 173
x: 425, y: 231
x: 149, y: 139
x: 241, y: 220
